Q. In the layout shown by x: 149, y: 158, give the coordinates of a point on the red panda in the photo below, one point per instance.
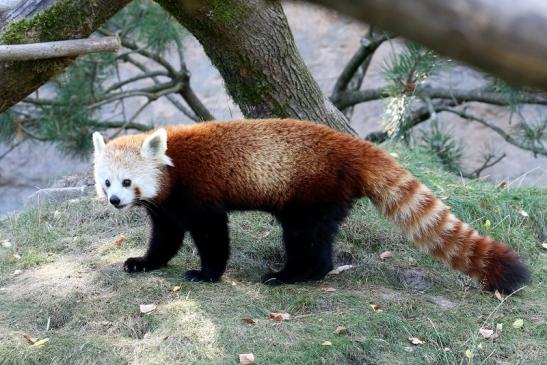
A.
x: 307, y: 175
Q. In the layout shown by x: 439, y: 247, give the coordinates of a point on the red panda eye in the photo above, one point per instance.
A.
x: 126, y: 183
x: 107, y: 183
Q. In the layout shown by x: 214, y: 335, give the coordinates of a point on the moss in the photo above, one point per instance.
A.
x: 45, y: 26
x: 228, y: 11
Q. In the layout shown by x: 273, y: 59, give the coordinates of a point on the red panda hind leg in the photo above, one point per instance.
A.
x: 308, y: 234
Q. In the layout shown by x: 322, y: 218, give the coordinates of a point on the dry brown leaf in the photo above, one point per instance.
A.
x: 327, y: 343
x: 498, y: 295
x: 328, y: 290
x: 376, y: 308
x: 17, y: 256
x: 386, y: 254
x: 278, y: 317
x: 248, y: 320
x: 523, y: 213
x: 341, y: 330
x: 147, y: 308
x: 499, y: 327
x: 17, y: 272
x: 30, y: 339
x: 340, y: 269
x: 485, y: 332
x: 119, y: 241
x: 175, y: 289
x: 246, y: 359
x: 502, y: 185
x: 416, y: 341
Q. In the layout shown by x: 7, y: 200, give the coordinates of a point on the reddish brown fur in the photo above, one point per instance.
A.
x: 269, y: 163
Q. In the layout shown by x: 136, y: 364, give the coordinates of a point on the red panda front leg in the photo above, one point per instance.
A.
x: 210, y: 234
x: 165, y: 241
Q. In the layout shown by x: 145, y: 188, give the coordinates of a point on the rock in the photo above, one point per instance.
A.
x: 415, y: 279
x: 57, y: 195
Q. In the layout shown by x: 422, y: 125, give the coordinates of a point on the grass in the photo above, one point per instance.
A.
x: 71, y: 290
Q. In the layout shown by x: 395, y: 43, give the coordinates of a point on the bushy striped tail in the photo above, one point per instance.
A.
x: 434, y: 229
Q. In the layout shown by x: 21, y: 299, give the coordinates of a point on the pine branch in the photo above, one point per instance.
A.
x: 153, y: 92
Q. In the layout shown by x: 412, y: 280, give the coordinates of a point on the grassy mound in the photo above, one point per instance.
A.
x: 61, y: 279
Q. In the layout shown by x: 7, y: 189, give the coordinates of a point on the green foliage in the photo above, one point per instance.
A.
x: 8, y: 127
x: 534, y: 134
x: 443, y: 145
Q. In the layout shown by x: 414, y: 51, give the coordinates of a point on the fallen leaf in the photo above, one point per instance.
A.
x: 264, y: 234
x: 523, y: 213
x: 487, y: 223
x: 17, y: 272
x: 329, y: 290
x: 341, y: 330
x: 17, y: 256
x: 246, y: 359
x: 175, y: 289
x: 147, y: 308
x: 56, y: 214
x: 498, y: 295
x: 394, y: 154
x: 416, y: 341
x: 248, y: 320
x: 544, y: 245
x: 518, y: 323
x: 469, y: 354
x: 486, y: 333
x: 444, y: 197
x: 30, y: 339
x: 340, y: 269
x: 479, y: 346
x: 376, y: 308
x: 40, y: 343
x: 119, y: 241
x: 502, y: 185
x: 499, y: 327
x: 6, y: 244
x: 386, y: 254
x: 278, y: 317
x: 327, y: 343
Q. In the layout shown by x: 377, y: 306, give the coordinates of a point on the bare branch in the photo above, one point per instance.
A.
x: 507, y: 137
x: 152, y: 92
x: 486, y: 164
x: 369, y: 44
x: 120, y: 84
x: 11, y: 148
x: 69, y: 48
x: 121, y: 124
x: 346, y: 99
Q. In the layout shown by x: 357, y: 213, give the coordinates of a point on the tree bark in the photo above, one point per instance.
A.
x: 506, y: 38
x: 35, y: 21
x: 251, y: 44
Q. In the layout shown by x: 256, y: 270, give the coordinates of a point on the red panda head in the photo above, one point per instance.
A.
x: 129, y: 168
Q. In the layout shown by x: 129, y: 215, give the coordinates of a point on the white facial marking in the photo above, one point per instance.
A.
x: 123, y: 172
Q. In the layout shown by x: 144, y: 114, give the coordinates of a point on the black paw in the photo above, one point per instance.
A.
x: 278, y: 278
x: 197, y: 275
x: 138, y: 264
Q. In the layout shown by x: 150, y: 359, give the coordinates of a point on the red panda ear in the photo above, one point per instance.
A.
x: 155, y: 146
x: 98, y: 144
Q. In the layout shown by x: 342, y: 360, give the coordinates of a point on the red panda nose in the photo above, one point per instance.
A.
x: 114, y: 200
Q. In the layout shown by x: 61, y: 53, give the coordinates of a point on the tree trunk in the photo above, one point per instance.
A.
x: 41, y: 21
x: 251, y: 44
